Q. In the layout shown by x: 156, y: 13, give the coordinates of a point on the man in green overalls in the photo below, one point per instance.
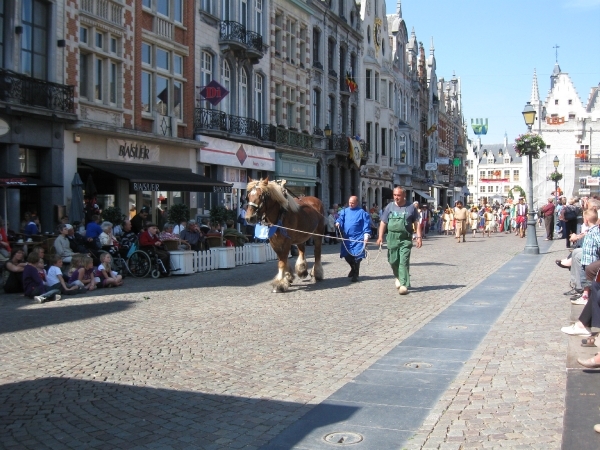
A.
x: 401, y: 221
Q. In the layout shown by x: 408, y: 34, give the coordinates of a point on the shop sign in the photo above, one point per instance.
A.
x: 431, y: 166
x: 132, y: 151
x: 593, y: 181
x: 146, y: 186
x: 585, y: 191
x: 442, y: 161
x: 233, y: 154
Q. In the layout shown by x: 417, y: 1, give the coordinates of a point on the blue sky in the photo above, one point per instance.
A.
x: 493, y: 46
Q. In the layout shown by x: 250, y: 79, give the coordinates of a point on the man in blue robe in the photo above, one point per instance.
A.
x: 355, y: 224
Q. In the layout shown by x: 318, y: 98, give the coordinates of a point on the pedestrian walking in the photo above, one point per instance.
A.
x: 460, y: 215
x: 547, y: 212
x: 399, y: 219
x: 355, y: 223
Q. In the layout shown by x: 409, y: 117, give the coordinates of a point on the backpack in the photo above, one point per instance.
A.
x: 570, y: 213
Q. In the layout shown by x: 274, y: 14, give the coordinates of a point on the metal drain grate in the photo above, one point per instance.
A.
x: 418, y: 365
x: 343, y: 438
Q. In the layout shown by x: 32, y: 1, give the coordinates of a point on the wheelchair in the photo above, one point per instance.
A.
x: 138, y: 262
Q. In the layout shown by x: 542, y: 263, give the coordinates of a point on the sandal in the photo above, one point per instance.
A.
x: 560, y: 264
x: 589, y: 342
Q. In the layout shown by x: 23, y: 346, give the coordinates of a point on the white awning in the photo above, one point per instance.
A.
x: 425, y: 195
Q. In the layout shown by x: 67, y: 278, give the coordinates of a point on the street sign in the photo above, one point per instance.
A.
x: 442, y: 161
x: 431, y: 166
x: 213, y: 92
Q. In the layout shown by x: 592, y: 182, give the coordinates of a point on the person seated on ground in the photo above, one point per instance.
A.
x: 55, y: 279
x: 139, y: 220
x: 168, y: 235
x: 93, y: 232
x: 33, y: 227
x: 13, y: 272
x: 83, y: 274
x: 107, y: 276
x: 193, y: 236
x: 62, y: 244
x: 33, y: 285
x: 150, y: 242
x: 128, y: 239
x: 107, y: 240
x: 230, y: 233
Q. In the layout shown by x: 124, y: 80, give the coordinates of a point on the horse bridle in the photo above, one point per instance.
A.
x: 261, y: 200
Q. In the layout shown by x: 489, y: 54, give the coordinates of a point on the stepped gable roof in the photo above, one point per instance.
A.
x: 494, y: 149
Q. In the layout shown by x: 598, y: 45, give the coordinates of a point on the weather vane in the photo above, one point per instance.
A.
x: 556, y: 47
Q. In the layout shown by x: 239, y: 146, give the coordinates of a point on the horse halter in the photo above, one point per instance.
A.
x: 261, y: 200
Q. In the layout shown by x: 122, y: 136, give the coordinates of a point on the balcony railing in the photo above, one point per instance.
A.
x: 235, y: 32
x: 23, y: 90
x: 210, y: 119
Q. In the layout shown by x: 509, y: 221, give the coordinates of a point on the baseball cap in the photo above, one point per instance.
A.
x: 145, y: 209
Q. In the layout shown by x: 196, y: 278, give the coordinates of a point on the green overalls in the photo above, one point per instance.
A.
x: 399, y: 243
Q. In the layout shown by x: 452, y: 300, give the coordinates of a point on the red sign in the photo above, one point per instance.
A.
x: 213, y: 92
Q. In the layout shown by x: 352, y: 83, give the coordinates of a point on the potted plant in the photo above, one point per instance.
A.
x: 220, y: 214
x: 529, y: 144
x: 556, y: 176
x: 178, y: 213
x: 113, y: 215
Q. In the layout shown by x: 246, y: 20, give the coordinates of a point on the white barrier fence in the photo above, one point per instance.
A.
x: 214, y: 259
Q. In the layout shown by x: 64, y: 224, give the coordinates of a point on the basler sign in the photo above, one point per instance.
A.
x: 132, y: 151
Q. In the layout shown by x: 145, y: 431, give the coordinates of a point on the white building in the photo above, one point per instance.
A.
x: 492, y: 171
x: 568, y: 126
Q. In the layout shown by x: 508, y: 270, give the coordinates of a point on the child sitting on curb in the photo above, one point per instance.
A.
x: 33, y: 284
x: 55, y: 280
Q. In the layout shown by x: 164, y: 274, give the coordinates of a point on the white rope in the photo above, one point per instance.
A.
x: 343, y: 239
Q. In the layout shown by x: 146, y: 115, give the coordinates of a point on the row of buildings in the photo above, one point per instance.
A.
x: 567, y: 125
x: 169, y: 101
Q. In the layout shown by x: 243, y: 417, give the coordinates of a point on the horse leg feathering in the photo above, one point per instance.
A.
x: 301, y: 265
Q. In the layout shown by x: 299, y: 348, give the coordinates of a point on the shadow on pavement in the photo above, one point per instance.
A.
x: 23, y: 319
x: 71, y: 413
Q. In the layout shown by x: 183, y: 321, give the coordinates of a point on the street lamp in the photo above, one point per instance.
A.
x: 556, y: 162
x: 531, y: 246
x: 403, y: 155
x: 327, y: 130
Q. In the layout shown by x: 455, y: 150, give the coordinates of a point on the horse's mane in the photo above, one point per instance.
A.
x: 275, y: 191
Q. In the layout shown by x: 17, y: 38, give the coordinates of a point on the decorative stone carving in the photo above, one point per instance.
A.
x: 377, y: 113
x: 371, y: 52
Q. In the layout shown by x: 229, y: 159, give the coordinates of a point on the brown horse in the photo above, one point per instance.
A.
x: 269, y: 203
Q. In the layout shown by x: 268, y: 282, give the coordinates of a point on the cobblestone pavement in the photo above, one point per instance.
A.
x: 215, y: 360
x: 511, y: 392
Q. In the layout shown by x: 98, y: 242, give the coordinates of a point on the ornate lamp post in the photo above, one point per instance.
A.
x: 531, y: 246
x: 556, y: 162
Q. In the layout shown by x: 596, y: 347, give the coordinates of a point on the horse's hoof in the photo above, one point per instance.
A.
x: 274, y: 291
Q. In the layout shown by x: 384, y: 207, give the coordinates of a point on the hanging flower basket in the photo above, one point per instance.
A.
x: 529, y: 144
x: 556, y: 176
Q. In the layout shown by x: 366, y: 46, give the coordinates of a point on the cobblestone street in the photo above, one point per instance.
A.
x: 215, y: 360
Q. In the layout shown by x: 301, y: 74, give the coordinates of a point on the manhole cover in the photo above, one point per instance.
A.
x: 418, y: 365
x: 457, y: 327
x: 343, y: 438
x: 480, y: 303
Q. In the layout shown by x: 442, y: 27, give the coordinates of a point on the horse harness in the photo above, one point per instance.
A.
x: 262, y: 198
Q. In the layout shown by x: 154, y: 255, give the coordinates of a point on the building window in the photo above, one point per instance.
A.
x: 369, y: 74
x: 470, y: 180
x: 482, y: 189
x: 98, y: 79
x: 83, y: 35
x: 331, y: 112
x: 302, y: 112
x: 243, y: 94
x: 162, y: 7
x: 178, y: 11
x: 302, y: 46
x: 259, y: 98
x: 376, y: 86
x: 162, y: 89
x: 383, y: 141
x: 147, y: 3
x: 225, y: 104
x: 331, y: 55
x: 99, y: 41
x: 206, y: 6
x: 316, y: 46
x: 34, y: 21
x: 84, y: 75
x: 290, y: 42
x: 112, y: 83
x: 29, y: 161
x: 570, y: 102
x: 515, y: 175
x: 506, y: 188
x: 369, y: 135
x: 490, y: 189
x: 507, y: 174
x: 278, y: 34
x: 1, y: 33
x: 316, y: 108
x: 113, y: 45
x: 291, y: 107
x: 481, y: 174
x: 556, y: 102
x: 278, y: 105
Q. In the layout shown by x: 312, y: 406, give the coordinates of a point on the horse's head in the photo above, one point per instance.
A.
x: 256, y: 196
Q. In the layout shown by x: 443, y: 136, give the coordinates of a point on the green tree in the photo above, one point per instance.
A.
x: 178, y: 213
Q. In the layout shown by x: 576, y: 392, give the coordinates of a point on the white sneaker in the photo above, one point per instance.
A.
x: 397, y: 283
x: 579, y: 301
x: 574, y: 330
x: 57, y: 297
x: 402, y: 290
x: 39, y: 299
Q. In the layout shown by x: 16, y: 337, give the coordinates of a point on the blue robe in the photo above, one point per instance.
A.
x: 354, y: 223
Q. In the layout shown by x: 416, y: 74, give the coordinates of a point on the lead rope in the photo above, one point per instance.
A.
x: 343, y: 239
